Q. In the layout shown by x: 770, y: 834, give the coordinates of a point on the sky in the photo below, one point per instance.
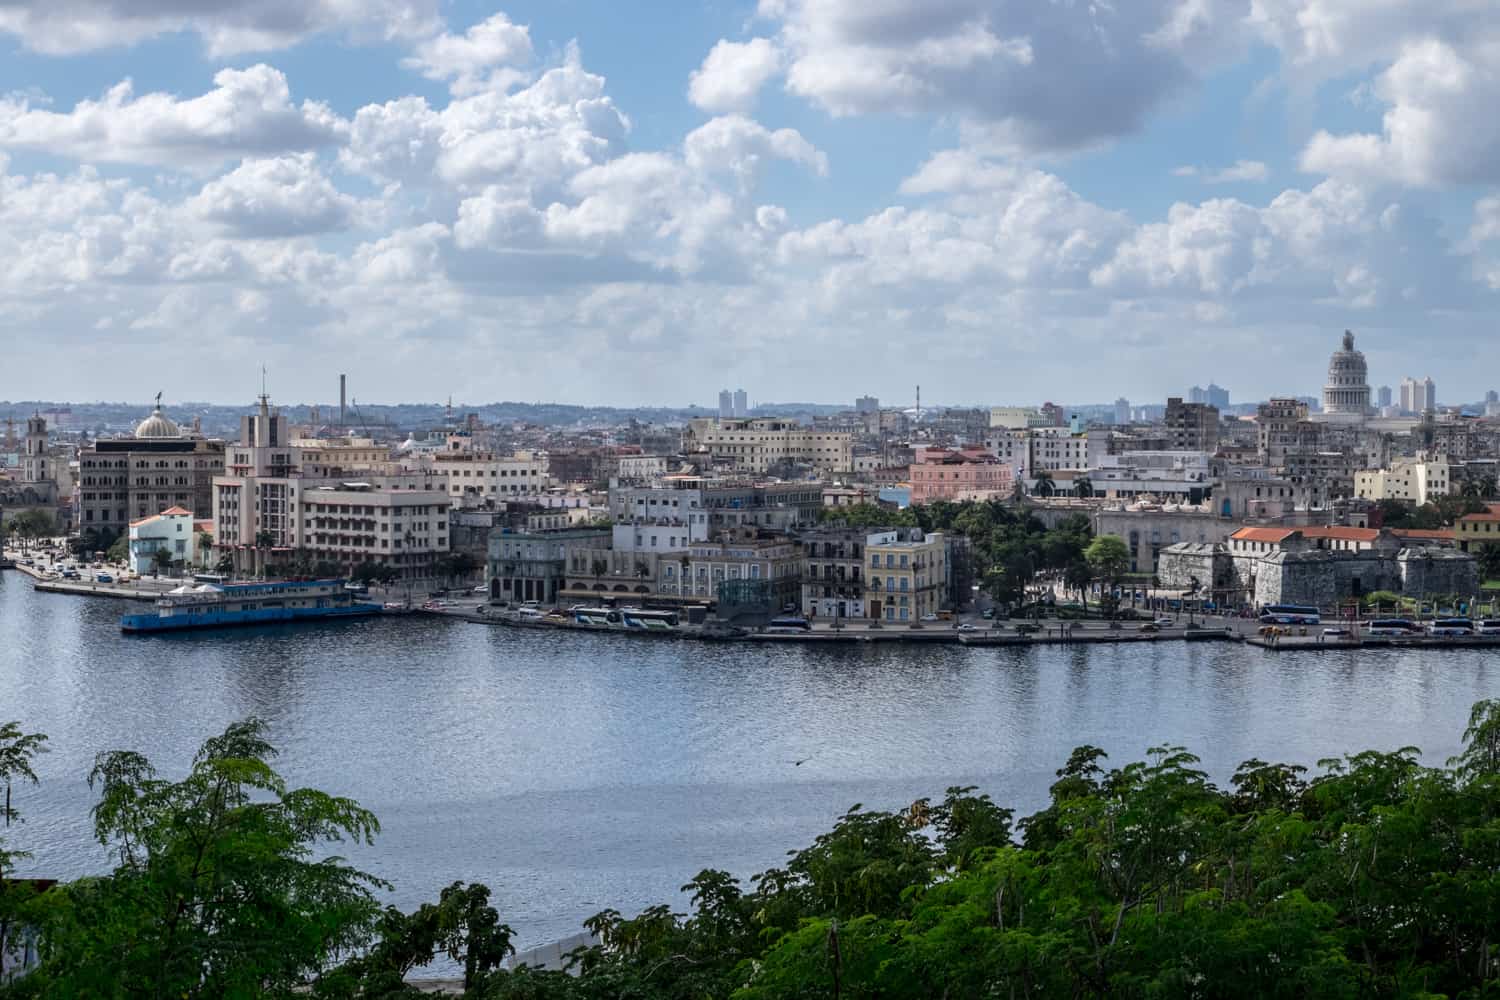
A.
x: 587, y: 201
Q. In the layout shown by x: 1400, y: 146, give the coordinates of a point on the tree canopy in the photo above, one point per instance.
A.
x: 1374, y: 877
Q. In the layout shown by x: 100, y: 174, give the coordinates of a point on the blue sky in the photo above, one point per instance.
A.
x: 600, y: 202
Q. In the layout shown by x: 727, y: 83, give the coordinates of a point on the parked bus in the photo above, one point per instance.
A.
x: 1452, y: 626
x: 217, y: 579
x: 1290, y: 614
x: 1490, y: 626
x: 1392, y: 627
x: 789, y: 625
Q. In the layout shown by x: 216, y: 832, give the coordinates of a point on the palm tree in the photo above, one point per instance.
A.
x: 1044, y: 484
x: 1083, y: 487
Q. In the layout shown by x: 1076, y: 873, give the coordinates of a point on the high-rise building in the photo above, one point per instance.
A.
x: 867, y: 404
x: 1492, y: 396
x: 1418, y: 395
x: 1347, y: 391
x: 1122, y: 410
x: 1191, y: 426
x: 1217, y: 396
x: 1383, y: 396
x: 1197, y: 394
x: 726, y: 404
x: 741, y: 404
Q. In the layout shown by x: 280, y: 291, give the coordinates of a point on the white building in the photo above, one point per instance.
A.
x: 171, y: 532
x: 1160, y: 473
x: 760, y: 444
x: 1417, y: 480
x: 1418, y: 395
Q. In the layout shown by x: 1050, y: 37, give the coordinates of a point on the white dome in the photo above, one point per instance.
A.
x: 157, y: 426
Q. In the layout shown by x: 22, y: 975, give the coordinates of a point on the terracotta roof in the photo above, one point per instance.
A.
x: 1442, y: 534
x: 1493, y: 514
x: 1262, y: 534
x: 176, y: 512
x: 1346, y: 534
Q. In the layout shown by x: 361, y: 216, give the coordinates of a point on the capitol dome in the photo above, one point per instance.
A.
x: 1347, y: 390
x: 157, y: 426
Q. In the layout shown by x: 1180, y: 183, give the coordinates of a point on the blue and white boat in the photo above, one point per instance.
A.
x: 210, y: 606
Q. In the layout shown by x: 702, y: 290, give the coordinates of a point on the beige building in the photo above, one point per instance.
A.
x: 335, y: 457
x: 1418, y: 480
x: 159, y: 467
x: 759, y: 445
x: 906, y: 575
x: 267, y: 511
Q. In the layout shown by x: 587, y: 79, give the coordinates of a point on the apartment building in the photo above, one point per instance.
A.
x: 833, y: 582
x: 1418, y: 480
x: 1191, y: 426
x: 906, y: 575
x: 760, y: 445
x: 971, y: 474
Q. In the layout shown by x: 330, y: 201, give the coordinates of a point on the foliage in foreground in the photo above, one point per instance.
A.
x: 1376, y: 877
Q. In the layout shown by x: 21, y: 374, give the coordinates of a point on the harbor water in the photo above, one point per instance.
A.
x: 573, y: 772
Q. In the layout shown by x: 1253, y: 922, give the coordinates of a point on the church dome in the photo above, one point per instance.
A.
x: 157, y: 426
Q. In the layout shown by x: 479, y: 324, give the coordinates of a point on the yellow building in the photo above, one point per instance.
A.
x: 1478, y: 529
x: 906, y: 575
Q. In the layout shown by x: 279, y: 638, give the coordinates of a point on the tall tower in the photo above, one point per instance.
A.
x: 34, y: 467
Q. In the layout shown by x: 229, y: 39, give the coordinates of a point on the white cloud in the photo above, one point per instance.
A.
x: 281, y: 197
x: 248, y: 113
x: 1440, y: 126
x: 737, y: 145
x: 487, y: 55
x: 531, y: 140
x: 61, y: 27
x: 1242, y: 172
x: 1039, y: 76
x: 733, y: 73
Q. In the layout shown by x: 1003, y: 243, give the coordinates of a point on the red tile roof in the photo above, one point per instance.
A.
x: 1345, y: 534
x: 1262, y: 534
x: 1493, y: 514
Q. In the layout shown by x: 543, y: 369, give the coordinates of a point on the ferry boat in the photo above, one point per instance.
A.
x: 210, y: 606
x: 626, y: 619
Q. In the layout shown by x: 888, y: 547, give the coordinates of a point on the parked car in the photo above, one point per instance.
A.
x: 1340, y: 633
x: 987, y: 614
x: 103, y: 578
x: 71, y: 574
x: 1026, y: 628
x: 1163, y: 623
x: 966, y: 627
x: 929, y: 618
x: 1149, y: 627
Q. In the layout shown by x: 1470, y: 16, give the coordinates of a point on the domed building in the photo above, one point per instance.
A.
x: 157, y: 426
x: 1346, y: 394
x: 156, y: 468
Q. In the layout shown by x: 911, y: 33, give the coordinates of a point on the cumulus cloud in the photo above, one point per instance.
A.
x: 740, y: 146
x: 487, y: 55
x: 281, y: 197
x: 733, y: 74
x: 248, y: 113
x: 1242, y: 172
x: 1041, y: 76
x: 227, y: 27
x: 1439, y: 127
x: 531, y: 140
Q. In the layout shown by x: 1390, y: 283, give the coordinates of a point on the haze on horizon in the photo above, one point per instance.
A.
x: 810, y: 199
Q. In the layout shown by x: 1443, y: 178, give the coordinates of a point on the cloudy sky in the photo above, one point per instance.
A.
x: 595, y: 201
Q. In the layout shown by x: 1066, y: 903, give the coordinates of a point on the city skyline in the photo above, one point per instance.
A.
x: 509, y: 202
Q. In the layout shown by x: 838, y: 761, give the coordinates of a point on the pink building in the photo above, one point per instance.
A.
x: 971, y: 474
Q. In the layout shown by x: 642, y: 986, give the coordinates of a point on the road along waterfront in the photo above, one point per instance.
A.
x: 571, y: 772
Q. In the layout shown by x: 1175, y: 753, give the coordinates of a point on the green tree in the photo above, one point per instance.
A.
x: 17, y: 751
x: 1488, y: 557
x: 119, y: 550
x: 162, y: 560
x: 219, y: 891
x: 1109, y: 558
x: 1044, y: 485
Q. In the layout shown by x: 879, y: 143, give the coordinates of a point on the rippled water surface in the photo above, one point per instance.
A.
x: 572, y: 772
